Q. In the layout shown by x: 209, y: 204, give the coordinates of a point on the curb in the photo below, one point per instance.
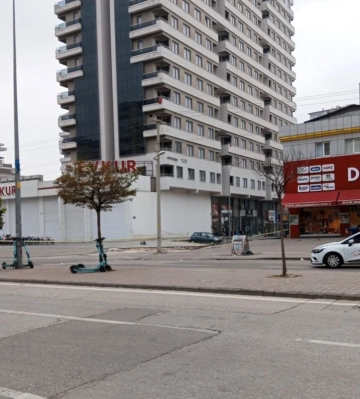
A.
x: 225, y: 291
x: 248, y: 257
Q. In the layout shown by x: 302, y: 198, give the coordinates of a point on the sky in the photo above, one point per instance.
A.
x: 327, y: 68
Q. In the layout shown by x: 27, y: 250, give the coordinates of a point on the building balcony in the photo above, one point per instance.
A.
x: 267, y: 57
x: 68, y: 28
x: 65, y: 75
x: 229, y: 150
x: 147, y: 28
x: 267, y: 7
x: 66, y: 98
x: 65, y: 159
x: 67, y: 120
x: 267, y: 23
x: 70, y: 50
x: 282, y: 115
x: 64, y: 134
x: 67, y: 143
x: 273, y: 145
x: 64, y: 6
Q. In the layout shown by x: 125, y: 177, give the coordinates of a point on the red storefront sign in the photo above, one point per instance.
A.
x: 6, y: 191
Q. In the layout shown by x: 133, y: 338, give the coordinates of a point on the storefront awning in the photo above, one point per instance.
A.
x: 349, y: 197
x: 309, y: 200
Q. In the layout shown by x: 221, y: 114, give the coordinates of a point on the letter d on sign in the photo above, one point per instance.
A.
x: 353, y: 174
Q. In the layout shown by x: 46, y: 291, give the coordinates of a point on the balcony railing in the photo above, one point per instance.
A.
x: 133, y: 2
x: 67, y: 117
x: 68, y: 140
x: 66, y: 71
x: 67, y: 94
x: 146, y: 24
x: 63, y: 3
x: 69, y: 23
x: 145, y: 50
x: 62, y: 49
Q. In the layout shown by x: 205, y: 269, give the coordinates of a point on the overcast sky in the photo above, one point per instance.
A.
x: 327, y: 52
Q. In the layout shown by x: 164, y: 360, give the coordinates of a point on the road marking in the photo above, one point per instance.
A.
x: 8, y: 393
x: 332, y: 343
x: 101, y: 321
x: 181, y: 293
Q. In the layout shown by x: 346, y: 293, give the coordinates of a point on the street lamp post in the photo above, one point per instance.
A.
x: 19, y: 263
x: 229, y: 200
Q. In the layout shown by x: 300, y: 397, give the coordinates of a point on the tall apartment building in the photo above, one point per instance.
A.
x: 217, y: 74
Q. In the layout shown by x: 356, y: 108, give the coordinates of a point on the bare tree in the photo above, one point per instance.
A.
x: 281, y: 172
x: 97, y: 186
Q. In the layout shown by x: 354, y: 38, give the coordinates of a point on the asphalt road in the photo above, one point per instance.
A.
x: 87, y: 343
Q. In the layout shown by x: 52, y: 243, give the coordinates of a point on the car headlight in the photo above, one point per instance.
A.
x: 317, y: 251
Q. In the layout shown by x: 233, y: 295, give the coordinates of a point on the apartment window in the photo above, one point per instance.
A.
x: 176, y: 97
x: 352, y: 146
x: 236, y: 141
x: 200, y: 107
x: 185, y: 6
x: 209, y: 89
x: 189, y: 127
x: 140, y: 45
x: 251, y: 128
x: 250, y: 109
x: 250, y: 90
x: 208, y: 44
x: 243, y: 126
x: 244, y: 163
x: 249, y: 51
x: 249, y: 71
x: 322, y: 149
x: 245, y: 182
x: 208, y: 22
x: 187, y: 78
x: 241, y: 66
x: 248, y: 32
x: 241, y: 46
x: 77, y: 61
x: 234, y: 81
x: 257, y: 93
x: 211, y: 134
x: 235, y: 101
x: 251, y: 146
x: 218, y: 178
x: 197, y: 14
x: 177, y: 122
x: 201, y: 153
x: 187, y: 54
x: 190, y: 150
x: 259, y: 185
x: 240, y: 7
x: 242, y: 86
x: 188, y: 102
x: 175, y: 47
x: 252, y: 165
x: 202, y: 175
x: 212, y: 177
x: 233, y: 60
x: 233, y: 40
x: 248, y: 14
x: 198, y: 37
x: 199, y: 84
x: 178, y: 147
x: 198, y: 61
x: 200, y: 130
x: 236, y: 122
x: 252, y: 182
x: 236, y: 161
x: 263, y: 185
x: 258, y: 148
x: 238, y: 182
x: 179, y: 172
x: 240, y: 26
x: 209, y: 66
x: 186, y: 30
x: 211, y: 156
x: 174, y: 23
x: 176, y: 73
x: 191, y: 174
x: 232, y: 20
x: 211, y: 111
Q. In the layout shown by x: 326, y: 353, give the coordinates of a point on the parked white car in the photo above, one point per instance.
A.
x: 337, y: 253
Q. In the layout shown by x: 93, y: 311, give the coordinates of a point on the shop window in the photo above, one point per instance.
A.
x: 352, y: 146
x: 322, y: 149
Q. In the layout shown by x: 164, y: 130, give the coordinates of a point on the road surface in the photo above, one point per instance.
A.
x: 87, y: 343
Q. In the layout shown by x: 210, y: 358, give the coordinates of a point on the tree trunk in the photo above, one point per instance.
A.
x: 98, y: 220
x: 284, y: 269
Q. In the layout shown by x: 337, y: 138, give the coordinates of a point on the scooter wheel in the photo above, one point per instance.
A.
x: 81, y: 266
x: 73, y: 269
x: 108, y: 268
x: 102, y: 269
x: 31, y: 265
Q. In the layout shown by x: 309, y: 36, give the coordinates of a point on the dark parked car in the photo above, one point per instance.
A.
x: 205, y: 238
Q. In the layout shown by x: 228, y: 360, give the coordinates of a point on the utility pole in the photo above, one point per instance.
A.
x: 19, y: 263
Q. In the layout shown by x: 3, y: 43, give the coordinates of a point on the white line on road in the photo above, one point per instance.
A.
x: 332, y: 343
x: 101, y: 321
x: 180, y: 293
x: 8, y: 393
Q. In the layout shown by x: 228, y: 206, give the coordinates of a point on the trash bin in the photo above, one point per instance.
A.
x: 240, y: 245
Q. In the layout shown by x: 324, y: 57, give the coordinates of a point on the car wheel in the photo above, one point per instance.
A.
x: 212, y: 243
x: 333, y: 260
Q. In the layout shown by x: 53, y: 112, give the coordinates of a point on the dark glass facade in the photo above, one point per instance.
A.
x: 87, y: 89
x: 129, y: 90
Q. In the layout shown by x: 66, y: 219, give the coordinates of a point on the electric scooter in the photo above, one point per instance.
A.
x: 103, y: 266
x: 29, y: 263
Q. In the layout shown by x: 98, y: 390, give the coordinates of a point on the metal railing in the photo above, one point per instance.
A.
x: 69, y: 23
x: 66, y: 94
x: 66, y: 71
x: 62, y: 49
x: 67, y: 117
